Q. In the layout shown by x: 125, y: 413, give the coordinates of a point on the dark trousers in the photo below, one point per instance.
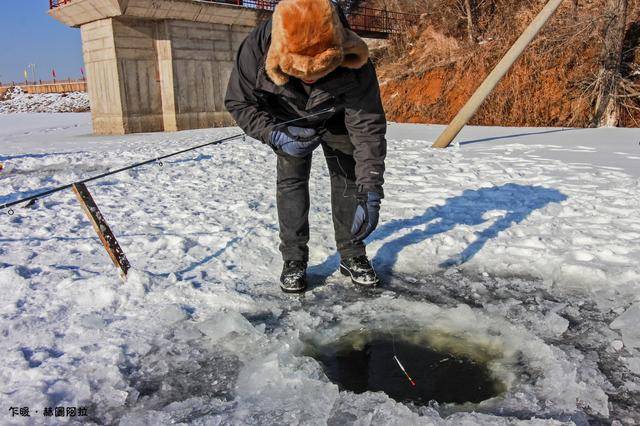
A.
x: 293, y: 201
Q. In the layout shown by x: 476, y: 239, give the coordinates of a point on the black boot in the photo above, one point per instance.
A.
x: 294, y: 276
x: 360, y: 270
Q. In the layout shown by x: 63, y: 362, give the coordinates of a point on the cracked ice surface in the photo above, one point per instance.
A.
x: 527, y: 245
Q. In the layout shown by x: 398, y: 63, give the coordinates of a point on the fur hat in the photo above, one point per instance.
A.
x: 308, y: 41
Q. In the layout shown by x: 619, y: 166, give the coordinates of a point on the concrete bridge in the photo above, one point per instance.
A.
x: 163, y: 65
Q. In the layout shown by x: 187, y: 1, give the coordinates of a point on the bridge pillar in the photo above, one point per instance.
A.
x: 195, y: 62
x: 157, y: 65
x: 122, y: 69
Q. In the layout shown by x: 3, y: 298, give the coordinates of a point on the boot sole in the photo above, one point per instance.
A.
x: 347, y: 273
x: 296, y: 291
x: 284, y: 290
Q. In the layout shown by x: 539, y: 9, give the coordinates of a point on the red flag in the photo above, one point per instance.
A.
x: 53, y: 72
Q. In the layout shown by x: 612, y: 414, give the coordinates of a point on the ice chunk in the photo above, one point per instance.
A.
x: 632, y: 386
x: 373, y: 408
x: 627, y: 323
x: 556, y: 323
x: 171, y: 314
x: 633, y: 364
x: 617, y: 345
x: 220, y: 325
x: 146, y: 419
x: 280, y: 389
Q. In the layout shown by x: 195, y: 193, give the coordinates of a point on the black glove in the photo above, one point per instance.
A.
x: 294, y: 141
x: 367, y: 214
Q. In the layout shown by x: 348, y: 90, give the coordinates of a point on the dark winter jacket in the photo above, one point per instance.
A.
x: 257, y: 104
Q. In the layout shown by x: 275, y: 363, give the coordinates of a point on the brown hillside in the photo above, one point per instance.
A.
x: 429, y: 73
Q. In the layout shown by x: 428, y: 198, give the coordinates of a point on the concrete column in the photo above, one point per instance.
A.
x: 103, y: 82
x: 122, y: 76
x: 138, y: 72
x: 196, y: 60
x: 167, y: 78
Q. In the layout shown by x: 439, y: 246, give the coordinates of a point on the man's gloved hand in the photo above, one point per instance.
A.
x: 295, y: 141
x: 367, y: 214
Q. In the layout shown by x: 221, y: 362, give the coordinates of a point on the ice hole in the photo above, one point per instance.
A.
x: 364, y: 361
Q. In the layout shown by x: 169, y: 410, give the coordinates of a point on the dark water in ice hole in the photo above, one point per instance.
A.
x: 440, y: 377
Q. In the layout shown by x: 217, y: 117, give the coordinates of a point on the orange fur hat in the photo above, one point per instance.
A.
x: 308, y: 41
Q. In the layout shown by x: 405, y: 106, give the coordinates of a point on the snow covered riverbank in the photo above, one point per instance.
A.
x: 16, y: 101
x: 526, y: 241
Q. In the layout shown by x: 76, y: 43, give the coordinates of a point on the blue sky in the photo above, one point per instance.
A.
x: 30, y: 36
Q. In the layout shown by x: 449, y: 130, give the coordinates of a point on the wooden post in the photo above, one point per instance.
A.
x: 102, y: 228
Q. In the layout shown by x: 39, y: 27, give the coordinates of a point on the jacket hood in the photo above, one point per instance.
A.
x: 308, y: 41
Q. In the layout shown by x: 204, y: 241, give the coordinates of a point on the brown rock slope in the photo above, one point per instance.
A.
x: 429, y: 73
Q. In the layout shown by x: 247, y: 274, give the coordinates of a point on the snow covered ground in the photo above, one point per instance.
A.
x: 524, y: 243
x: 18, y: 101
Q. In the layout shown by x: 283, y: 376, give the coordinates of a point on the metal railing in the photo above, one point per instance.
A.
x: 56, y: 3
x: 252, y: 4
x: 249, y: 4
x: 364, y: 20
x: 368, y: 20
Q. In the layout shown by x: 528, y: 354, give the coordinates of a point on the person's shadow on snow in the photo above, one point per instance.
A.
x: 516, y: 202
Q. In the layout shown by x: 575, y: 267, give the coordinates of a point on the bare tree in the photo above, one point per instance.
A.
x: 470, y: 10
x: 607, y: 109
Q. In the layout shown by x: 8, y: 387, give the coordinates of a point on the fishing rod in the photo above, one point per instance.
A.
x: 39, y: 195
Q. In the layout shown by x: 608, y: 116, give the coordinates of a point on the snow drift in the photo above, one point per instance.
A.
x: 16, y: 100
